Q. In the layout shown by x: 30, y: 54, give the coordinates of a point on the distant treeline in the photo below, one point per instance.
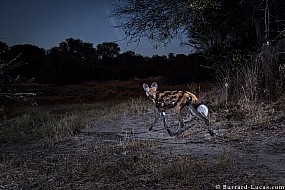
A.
x: 74, y: 61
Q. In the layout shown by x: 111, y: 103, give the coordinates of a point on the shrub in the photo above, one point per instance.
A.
x: 252, y: 77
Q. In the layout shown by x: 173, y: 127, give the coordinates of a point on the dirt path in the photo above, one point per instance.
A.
x: 262, y: 154
x: 86, y: 160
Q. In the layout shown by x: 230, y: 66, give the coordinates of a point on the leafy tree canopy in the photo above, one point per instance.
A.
x: 108, y: 50
x: 207, y: 25
x: 75, y: 47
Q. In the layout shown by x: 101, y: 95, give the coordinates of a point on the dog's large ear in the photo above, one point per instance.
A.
x: 145, y: 87
x: 154, y: 85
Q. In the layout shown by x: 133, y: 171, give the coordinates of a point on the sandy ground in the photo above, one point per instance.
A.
x: 258, y: 154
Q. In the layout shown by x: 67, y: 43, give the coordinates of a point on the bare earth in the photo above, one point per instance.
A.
x: 262, y: 153
x: 259, y: 154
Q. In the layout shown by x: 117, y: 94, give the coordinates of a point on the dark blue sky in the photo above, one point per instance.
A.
x: 46, y: 23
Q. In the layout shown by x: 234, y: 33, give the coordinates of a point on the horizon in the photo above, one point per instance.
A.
x: 46, y: 24
x: 94, y: 46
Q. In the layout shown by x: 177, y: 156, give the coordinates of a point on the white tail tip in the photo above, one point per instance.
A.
x: 203, y: 110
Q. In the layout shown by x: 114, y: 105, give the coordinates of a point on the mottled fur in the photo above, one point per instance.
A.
x: 175, y: 100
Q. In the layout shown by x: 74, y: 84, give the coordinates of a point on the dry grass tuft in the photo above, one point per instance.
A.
x: 34, y: 123
x: 134, y: 165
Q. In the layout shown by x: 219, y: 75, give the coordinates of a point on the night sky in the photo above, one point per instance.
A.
x: 46, y: 23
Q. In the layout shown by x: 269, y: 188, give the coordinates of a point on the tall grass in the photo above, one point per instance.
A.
x: 250, y: 85
x: 238, y: 79
x: 34, y: 123
x: 252, y: 77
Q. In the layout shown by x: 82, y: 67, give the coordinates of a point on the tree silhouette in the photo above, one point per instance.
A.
x: 31, y: 59
x: 77, y: 48
x: 3, y: 47
x: 209, y: 26
x: 11, y: 68
x: 108, y: 50
x: 71, y: 62
x: 74, y: 61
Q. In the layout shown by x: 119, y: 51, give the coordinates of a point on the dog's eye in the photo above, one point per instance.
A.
x: 151, y: 96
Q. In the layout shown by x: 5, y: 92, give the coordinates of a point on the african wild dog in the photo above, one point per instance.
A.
x: 176, y: 100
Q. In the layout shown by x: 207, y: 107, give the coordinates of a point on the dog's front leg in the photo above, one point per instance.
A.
x: 160, y: 114
x: 155, y: 120
x: 181, y: 123
x: 165, y: 125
